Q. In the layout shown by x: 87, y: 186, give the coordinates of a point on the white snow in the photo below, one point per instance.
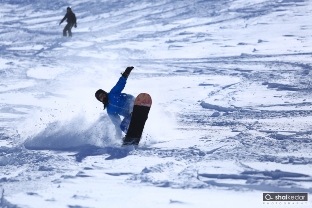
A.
x: 231, y: 114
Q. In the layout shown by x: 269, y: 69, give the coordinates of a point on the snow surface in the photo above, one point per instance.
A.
x: 231, y: 115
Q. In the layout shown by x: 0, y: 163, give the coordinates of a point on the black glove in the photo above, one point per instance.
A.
x: 127, y: 72
x: 75, y: 25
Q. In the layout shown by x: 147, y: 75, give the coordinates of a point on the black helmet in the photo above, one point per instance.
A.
x: 98, y: 92
x: 68, y: 8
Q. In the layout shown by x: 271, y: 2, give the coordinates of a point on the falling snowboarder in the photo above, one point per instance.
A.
x: 71, y: 22
x: 134, y: 110
x: 118, y: 104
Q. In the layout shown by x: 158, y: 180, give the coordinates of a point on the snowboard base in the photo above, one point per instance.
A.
x: 141, y: 108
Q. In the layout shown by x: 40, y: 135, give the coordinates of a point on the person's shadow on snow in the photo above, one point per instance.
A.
x: 91, y: 150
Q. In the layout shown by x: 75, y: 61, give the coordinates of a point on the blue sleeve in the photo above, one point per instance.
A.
x: 120, y: 85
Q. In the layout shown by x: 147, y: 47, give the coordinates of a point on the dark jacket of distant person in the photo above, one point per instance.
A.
x: 70, y: 16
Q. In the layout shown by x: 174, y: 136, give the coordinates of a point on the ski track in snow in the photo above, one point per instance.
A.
x: 231, y: 88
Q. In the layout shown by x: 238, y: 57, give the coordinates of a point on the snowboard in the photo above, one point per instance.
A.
x: 141, y: 108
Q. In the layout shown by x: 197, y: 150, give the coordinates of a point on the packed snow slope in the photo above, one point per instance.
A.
x: 231, y: 115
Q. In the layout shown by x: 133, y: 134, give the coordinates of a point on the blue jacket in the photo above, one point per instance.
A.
x: 119, y: 104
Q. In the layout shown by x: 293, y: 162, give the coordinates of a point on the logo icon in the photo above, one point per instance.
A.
x: 268, y: 197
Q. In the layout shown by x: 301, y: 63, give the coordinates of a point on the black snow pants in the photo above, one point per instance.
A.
x: 68, y: 28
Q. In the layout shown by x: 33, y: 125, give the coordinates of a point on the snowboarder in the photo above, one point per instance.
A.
x: 71, y: 21
x: 118, y: 104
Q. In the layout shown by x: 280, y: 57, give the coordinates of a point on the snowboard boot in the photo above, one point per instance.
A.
x: 130, y: 141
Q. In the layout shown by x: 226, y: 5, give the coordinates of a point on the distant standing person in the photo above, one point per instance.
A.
x: 71, y: 22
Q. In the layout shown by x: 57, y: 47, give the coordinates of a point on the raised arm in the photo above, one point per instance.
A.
x: 120, y: 85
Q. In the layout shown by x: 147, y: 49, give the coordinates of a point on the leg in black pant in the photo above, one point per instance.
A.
x: 68, y: 27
